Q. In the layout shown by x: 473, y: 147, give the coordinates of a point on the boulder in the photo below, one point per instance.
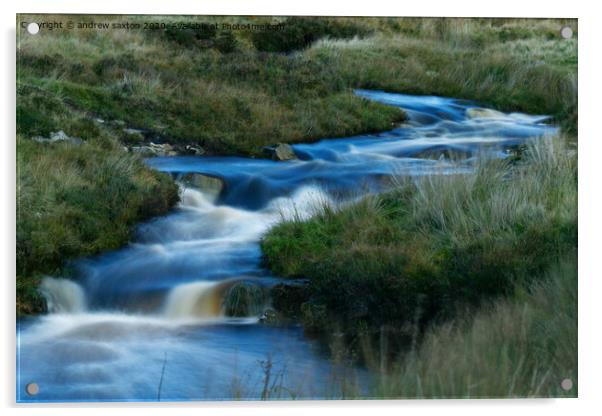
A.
x: 133, y: 131
x: 164, y: 149
x: 132, y: 136
x: 208, y: 184
x: 280, y: 151
x: 154, y: 149
x: 194, y: 150
x: 59, y: 136
x: 144, y: 151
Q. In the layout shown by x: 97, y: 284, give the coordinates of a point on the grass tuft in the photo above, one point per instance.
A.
x: 432, y: 244
x: 524, y: 346
x: 75, y: 201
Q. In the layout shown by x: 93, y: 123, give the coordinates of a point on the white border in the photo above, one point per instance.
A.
x: 590, y: 153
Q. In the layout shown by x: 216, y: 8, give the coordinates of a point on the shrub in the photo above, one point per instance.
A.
x: 299, y: 32
x: 225, y: 42
x: 192, y: 36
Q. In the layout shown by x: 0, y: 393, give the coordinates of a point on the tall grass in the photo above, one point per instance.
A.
x: 524, y: 346
x: 433, y: 244
x: 533, y: 75
x: 75, y: 201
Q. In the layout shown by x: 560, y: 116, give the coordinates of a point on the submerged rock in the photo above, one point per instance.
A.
x: 476, y: 112
x: 442, y: 153
x: 270, y: 317
x: 208, y: 184
x: 280, y: 151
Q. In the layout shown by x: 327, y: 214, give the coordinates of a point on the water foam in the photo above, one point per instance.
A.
x: 63, y: 295
x: 193, y: 198
x: 304, y: 203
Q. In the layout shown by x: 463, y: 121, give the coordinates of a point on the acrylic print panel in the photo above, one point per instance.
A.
x: 267, y: 208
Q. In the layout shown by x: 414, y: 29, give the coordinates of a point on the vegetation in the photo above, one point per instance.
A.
x: 426, y: 246
x: 523, y: 346
x: 201, y: 87
x: 418, y: 252
x: 77, y: 200
x: 409, y: 262
x: 299, y: 32
x: 234, y: 91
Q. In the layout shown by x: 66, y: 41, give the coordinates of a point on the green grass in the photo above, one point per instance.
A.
x: 520, y: 346
x: 534, y: 75
x: 235, y: 95
x: 523, y: 346
x: 76, y: 201
x: 430, y: 245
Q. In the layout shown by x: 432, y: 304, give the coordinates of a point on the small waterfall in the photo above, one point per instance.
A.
x: 63, y: 295
x: 193, y: 198
x: 232, y: 297
x: 198, y: 299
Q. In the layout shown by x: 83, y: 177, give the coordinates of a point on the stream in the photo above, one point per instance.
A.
x: 148, y: 322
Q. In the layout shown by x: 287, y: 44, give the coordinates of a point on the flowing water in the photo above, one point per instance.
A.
x: 149, y: 321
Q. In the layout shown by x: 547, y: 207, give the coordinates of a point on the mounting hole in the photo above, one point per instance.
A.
x: 566, y: 384
x: 33, y: 28
x: 32, y: 389
x: 566, y: 32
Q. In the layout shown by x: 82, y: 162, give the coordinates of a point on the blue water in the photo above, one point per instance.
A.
x: 145, y: 322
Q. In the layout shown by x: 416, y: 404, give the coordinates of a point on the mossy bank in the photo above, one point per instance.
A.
x: 415, y: 254
x: 76, y: 200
